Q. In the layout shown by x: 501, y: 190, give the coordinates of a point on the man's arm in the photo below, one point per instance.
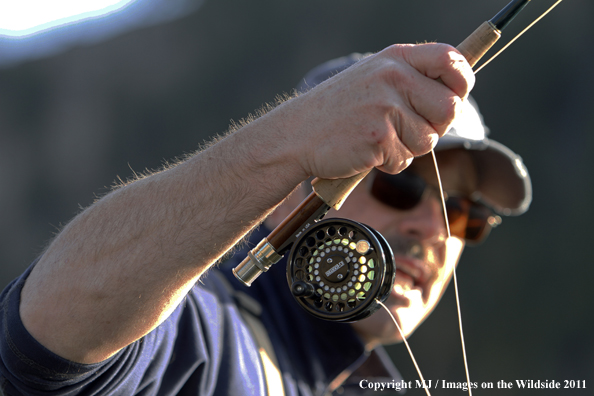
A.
x: 119, y: 268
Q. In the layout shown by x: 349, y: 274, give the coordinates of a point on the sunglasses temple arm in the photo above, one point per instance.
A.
x: 332, y: 193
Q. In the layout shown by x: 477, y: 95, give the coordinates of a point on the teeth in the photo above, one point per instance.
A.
x: 402, y: 289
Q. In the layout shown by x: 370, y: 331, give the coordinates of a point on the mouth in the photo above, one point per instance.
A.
x: 410, y: 275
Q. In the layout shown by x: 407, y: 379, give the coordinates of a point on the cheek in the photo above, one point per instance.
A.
x: 444, y: 268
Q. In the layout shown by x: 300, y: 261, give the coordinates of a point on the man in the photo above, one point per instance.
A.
x: 407, y: 210
x: 118, y: 304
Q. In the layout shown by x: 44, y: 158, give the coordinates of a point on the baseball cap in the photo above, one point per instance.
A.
x: 503, y: 180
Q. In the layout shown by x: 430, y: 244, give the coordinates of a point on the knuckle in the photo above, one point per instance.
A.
x: 423, y: 146
x: 449, y: 58
x: 397, y: 50
x: 448, y: 112
x: 447, y: 54
x: 395, y: 77
x: 450, y: 109
x: 415, y: 139
x: 397, y: 161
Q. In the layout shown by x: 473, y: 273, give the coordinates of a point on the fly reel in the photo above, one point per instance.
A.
x: 338, y: 269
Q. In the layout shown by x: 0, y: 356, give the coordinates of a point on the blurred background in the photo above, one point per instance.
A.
x: 100, y: 99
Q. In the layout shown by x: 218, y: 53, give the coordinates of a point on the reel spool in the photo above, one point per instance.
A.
x: 338, y: 268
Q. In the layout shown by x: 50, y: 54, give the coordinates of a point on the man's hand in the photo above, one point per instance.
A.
x: 381, y: 112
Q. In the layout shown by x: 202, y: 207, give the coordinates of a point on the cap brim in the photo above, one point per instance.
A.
x: 504, y: 182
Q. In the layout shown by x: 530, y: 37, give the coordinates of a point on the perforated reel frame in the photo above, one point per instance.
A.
x: 346, y: 266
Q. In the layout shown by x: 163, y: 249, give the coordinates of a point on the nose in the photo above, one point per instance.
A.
x: 425, y: 221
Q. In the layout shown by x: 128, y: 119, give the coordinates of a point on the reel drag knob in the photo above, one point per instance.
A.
x: 302, y: 289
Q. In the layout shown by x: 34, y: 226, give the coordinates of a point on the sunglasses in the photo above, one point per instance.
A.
x: 468, y: 219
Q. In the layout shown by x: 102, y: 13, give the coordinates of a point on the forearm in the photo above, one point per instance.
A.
x: 121, y: 266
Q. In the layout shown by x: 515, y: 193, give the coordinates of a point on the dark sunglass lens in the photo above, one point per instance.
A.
x: 457, y: 210
x: 402, y: 191
x: 468, y: 220
x: 478, y: 223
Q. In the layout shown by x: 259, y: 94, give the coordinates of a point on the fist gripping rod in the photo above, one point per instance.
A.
x: 332, y: 193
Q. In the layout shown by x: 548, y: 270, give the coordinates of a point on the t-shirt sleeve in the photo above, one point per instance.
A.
x: 28, y: 368
x: 203, y: 347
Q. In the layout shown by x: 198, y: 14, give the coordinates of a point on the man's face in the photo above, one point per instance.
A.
x: 425, y: 258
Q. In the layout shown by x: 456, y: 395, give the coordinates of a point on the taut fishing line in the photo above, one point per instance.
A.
x: 447, y: 224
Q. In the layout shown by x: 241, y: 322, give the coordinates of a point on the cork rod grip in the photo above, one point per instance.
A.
x: 478, y: 43
x: 335, y: 191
